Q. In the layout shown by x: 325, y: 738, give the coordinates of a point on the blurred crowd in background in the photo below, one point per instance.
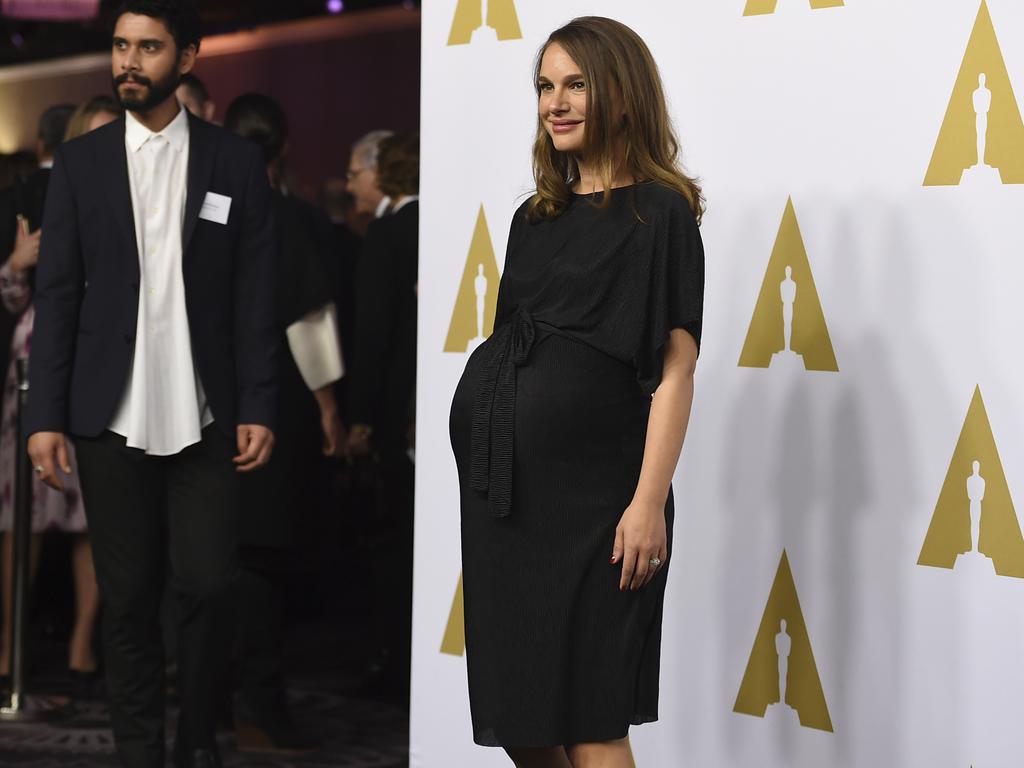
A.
x: 328, y: 549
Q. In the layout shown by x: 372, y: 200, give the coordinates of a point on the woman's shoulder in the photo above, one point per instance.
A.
x: 523, y: 209
x: 663, y: 200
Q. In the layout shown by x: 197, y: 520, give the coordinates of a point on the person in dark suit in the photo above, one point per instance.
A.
x: 381, y: 391
x: 155, y: 351
x: 344, y: 246
x: 295, y: 481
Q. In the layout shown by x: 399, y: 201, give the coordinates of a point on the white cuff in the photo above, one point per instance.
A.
x: 316, y: 347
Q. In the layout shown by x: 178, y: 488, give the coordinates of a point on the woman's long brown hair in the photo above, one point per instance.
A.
x: 613, y: 60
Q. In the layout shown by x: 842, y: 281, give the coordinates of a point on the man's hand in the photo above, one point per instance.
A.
x: 49, y: 450
x: 359, y: 439
x: 255, y: 444
x: 26, y: 247
x: 335, y: 436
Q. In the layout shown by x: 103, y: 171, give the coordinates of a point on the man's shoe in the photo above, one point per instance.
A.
x: 282, y: 738
x: 198, y: 758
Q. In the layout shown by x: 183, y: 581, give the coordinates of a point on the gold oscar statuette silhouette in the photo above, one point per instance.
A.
x: 477, y: 300
x: 764, y: 7
x: 981, y: 140
x: 788, y: 328
x: 781, y: 674
x: 454, y: 641
x: 483, y: 20
x: 974, y: 526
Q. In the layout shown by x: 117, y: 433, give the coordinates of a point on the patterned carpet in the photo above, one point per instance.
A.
x: 353, y: 733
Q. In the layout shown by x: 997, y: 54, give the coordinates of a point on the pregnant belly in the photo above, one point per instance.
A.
x: 572, y: 402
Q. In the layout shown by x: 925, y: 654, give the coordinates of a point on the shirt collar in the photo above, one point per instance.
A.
x: 176, y: 132
x: 382, y: 207
x: 405, y: 201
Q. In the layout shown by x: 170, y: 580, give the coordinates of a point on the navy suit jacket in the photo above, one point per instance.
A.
x: 87, y: 284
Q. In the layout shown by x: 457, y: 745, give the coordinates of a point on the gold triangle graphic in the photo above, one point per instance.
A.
x: 477, y: 299
x: 762, y: 7
x: 782, y: 652
x: 469, y: 17
x: 982, y: 118
x: 765, y: 344
x: 990, y: 516
x: 454, y: 641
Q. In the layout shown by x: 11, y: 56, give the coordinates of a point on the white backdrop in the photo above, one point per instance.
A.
x: 839, y: 109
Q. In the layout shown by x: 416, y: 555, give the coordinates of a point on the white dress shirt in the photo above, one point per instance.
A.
x: 163, y: 409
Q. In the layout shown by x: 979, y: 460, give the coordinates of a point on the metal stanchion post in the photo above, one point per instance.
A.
x: 20, y: 707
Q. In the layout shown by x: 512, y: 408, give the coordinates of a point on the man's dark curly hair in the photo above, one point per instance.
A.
x: 181, y: 18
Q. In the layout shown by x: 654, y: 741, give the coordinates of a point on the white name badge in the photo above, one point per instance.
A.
x: 215, y: 208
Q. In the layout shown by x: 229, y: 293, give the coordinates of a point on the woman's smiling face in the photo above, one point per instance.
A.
x: 562, y: 99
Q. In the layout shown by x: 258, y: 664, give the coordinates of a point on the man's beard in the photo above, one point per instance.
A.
x: 156, y: 92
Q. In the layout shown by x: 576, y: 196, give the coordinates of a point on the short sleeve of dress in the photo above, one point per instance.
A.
x: 675, y: 288
x: 505, y: 305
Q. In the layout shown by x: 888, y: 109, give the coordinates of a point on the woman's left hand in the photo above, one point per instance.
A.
x: 641, y: 536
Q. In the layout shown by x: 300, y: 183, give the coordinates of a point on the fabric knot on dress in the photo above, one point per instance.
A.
x: 494, y: 405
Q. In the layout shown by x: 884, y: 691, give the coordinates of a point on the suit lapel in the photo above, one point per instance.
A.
x: 119, y: 190
x: 202, y: 150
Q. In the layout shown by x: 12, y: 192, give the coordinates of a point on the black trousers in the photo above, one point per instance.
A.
x: 392, y: 567
x: 143, y: 512
x: 263, y: 695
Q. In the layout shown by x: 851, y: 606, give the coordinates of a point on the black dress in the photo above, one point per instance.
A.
x: 548, y: 426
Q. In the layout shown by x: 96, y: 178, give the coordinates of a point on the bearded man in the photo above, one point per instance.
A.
x: 154, y: 352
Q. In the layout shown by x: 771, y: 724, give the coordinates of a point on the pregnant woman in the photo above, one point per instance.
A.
x: 568, y: 422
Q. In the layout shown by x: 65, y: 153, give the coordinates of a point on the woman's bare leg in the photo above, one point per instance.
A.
x: 602, y: 754
x: 87, y: 604
x: 538, y: 757
x: 8, y: 592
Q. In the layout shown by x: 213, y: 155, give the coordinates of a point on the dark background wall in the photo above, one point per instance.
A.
x: 334, y: 91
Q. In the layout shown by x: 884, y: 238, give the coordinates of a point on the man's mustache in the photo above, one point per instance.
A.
x: 126, y: 77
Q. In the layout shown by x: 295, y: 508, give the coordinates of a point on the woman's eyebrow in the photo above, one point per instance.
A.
x: 566, y: 79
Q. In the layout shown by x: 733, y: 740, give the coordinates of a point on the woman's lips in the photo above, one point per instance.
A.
x: 565, y: 127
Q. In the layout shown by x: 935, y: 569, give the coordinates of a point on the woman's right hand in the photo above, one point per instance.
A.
x: 26, y: 247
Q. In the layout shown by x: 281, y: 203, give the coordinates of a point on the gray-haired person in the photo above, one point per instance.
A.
x: 362, y: 174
